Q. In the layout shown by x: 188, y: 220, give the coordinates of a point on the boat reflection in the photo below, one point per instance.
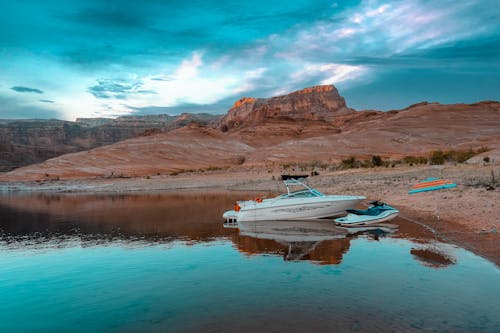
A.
x: 320, y: 241
x: 66, y: 220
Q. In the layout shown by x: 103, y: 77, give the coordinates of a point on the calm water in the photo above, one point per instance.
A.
x: 73, y: 263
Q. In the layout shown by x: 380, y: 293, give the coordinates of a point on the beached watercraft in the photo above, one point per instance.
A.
x: 306, y: 203
x: 378, y: 212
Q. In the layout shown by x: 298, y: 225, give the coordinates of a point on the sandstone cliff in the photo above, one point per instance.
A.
x: 316, y: 103
x: 313, y: 124
x: 24, y: 142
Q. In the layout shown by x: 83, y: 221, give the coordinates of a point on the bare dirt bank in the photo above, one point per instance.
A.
x: 468, y: 215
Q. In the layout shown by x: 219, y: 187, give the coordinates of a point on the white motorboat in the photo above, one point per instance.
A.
x: 305, y: 203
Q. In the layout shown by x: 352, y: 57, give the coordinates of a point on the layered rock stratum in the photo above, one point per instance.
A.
x: 312, y: 124
x: 24, y: 142
x: 315, y: 103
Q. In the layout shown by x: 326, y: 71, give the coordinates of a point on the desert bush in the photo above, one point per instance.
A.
x: 459, y: 156
x: 214, y: 168
x: 437, y: 157
x: 349, y: 163
x: 377, y: 160
x: 415, y: 160
x: 486, y: 159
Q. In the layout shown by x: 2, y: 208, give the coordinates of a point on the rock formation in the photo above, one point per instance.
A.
x: 316, y: 103
x: 24, y: 142
x: 313, y: 124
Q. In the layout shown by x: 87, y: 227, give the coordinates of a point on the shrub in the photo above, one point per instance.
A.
x: 486, y: 159
x: 415, y: 160
x: 349, y: 163
x: 437, y: 157
x: 461, y: 156
x: 376, y: 160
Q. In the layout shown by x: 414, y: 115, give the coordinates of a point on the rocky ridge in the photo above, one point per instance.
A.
x: 24, y: 142
x: 281, y: 130
x: 319, y: 103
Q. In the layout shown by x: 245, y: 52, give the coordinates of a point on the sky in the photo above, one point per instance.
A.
x: 95, y: 58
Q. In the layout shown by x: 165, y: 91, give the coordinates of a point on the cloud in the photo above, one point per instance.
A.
x: 378, y: 29
x: 46, y: 101
x: 119, y: 16
x: 108, y: 88
x: 192, y: 82
x: 26, y: 90
x: 328, y: 73
x: 118, y: 58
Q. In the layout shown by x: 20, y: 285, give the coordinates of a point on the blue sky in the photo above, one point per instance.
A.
x: 94, y: 58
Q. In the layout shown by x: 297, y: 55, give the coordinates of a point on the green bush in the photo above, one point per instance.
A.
x: 458, y: 156
x: 349, y: 163
x: 377, y: 160
x: 437, y: 157
x: 411, y: 160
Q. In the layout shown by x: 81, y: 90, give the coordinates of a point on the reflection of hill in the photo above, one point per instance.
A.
x: 432, y: 257
x: 186, y: 216
x: 250, y: 245
x: 330, y: 252
x: 190, y: 217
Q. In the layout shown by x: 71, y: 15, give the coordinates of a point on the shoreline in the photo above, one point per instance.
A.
x: 468, y: 215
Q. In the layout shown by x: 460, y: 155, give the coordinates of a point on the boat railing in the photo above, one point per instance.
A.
x: 298, y: 182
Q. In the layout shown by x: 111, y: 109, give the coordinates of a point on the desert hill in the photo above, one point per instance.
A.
x: 313, y: 124
x: 24, y: 142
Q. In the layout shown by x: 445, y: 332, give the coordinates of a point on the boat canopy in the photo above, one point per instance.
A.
x: 305, y: 192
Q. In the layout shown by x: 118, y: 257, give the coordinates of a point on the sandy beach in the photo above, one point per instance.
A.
x: 467, y: 215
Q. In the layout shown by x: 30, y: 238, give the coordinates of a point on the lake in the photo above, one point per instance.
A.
x: 165, y: 263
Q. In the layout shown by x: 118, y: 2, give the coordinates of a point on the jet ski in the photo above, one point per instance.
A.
x: 376, y: 213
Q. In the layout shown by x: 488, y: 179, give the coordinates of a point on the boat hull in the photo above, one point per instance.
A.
x: 297, y: 209
x: 359, y: 220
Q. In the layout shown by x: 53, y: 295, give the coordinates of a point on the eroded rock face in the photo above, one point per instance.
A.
x: 24, y: 142
x: 312, y: 124
x: 315, y: 103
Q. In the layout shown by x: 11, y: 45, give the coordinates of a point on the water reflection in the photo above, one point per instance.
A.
x: 433, y: 257
x: 66, y: 220
x: 165, y: 263
x: 319, y: 241
x: 149, y: 217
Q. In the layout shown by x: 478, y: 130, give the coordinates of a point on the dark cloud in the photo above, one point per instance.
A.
x: 113, y: 89
x: 152, y: 38
x: 26, y: 90
x: 46, y: 101
x: 483, y: 50
x: 113, y: 16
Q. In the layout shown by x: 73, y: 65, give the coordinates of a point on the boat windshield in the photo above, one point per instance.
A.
x: 309, y: 193
x: 305, y: 192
